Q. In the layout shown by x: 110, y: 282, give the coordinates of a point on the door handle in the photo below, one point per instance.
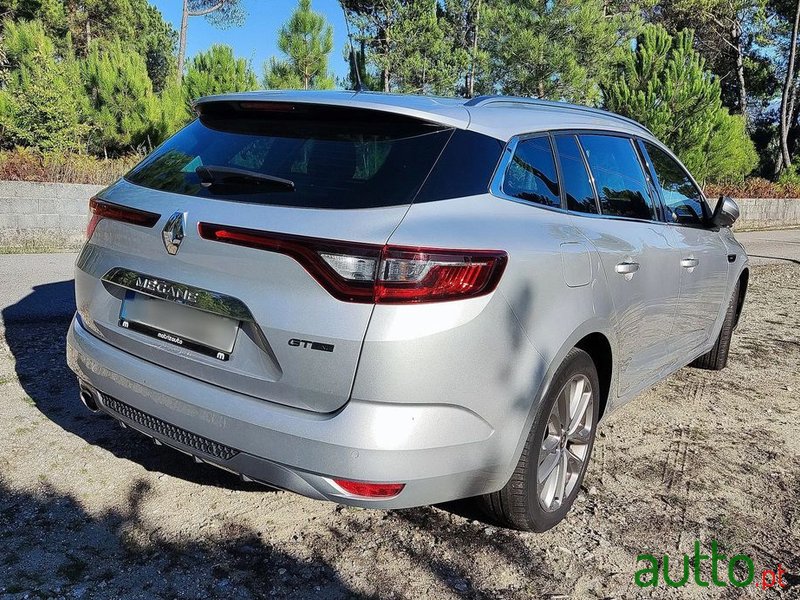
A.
x: 627, y: 268
x: 689, y: 263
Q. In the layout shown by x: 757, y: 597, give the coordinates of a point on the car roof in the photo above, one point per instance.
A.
x: 501, y: 117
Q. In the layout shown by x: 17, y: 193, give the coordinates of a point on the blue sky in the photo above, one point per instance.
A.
x: 257, y: 39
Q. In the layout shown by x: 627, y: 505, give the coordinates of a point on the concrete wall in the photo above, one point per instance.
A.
x: 43, y: 216
x: 767, y: 213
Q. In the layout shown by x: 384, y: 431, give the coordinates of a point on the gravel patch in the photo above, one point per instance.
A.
x: 89, y: 510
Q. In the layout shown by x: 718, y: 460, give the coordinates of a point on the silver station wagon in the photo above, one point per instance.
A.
x: 392, y: 301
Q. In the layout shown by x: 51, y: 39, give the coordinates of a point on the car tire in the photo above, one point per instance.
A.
x: 716, y: 359
x: 526, y: 504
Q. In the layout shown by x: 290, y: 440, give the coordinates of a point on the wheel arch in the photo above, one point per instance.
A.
x: 744, y: 280
x: 598, y: 347
x: 594, y: 337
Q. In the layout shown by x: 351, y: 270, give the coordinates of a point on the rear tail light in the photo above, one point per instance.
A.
x: 378, y: 274
x: 100, y: 209
x: 370, y: 490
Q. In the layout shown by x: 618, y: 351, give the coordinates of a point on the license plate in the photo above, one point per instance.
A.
x: 189, y: 328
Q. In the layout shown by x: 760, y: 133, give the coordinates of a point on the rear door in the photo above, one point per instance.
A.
x: 701, y: 253
x: 636, y: 251
x: 242, y: 190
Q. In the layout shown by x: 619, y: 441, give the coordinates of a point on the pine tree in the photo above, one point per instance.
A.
x: 358, y: 60
x: 222, y: 13
x: 41, y: 103
x: 552, y: 49
x: 306, y: 40
x: 123, y: 106
x: 427, y: 61
x: 409, y: 45
x: 663, y: 84
x: 217, y: 71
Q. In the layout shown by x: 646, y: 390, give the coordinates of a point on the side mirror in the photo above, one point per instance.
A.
x: 725, y: 212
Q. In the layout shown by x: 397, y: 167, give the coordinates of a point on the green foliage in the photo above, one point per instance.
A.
x: 730, y: 153
x: 358, y: 60
x: 172, y: 113
x: 663, y: 84
x: 100, y: 75
x: 426, y: 61
x: 408, y: 45
x: 123, y: 106
x: 307, y: 40
x: 553, y: 49
x: 137, y: 24
x: 789, y: 176
x: 723, y: 29
x: 41, y: 105
x: 217, y: 71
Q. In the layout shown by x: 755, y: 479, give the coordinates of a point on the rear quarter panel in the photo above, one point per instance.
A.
x: 492, y: 355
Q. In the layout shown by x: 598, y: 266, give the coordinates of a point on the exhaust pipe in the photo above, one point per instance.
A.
x: 88, y: 399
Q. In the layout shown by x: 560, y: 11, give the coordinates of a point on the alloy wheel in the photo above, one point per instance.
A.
x: 565, y: 443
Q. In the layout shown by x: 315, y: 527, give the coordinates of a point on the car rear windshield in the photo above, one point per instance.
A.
x: 295, y: 155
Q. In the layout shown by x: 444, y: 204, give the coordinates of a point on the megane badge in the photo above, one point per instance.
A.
x: 173, y: 232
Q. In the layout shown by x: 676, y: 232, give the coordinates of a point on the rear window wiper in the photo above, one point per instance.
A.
x: 217, y: 175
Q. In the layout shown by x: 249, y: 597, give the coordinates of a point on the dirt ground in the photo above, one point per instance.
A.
x: 89, y: 510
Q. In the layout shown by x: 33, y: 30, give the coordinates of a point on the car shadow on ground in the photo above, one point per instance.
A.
x: 61, y: 549
x: 60, y: 546
x: 35, y: 331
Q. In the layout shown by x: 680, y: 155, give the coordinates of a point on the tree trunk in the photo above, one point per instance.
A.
x: 182, y: 43
x: 471, y: 86
x: 736, y: 38
x: 788, y: 84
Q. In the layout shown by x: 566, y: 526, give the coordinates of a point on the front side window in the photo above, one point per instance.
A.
x: 619, y: 178
x: 531, y: 174
x: 577, y: 187
x: 684, y: 202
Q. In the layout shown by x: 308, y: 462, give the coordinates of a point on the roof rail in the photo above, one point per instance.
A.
x: 493, y: 98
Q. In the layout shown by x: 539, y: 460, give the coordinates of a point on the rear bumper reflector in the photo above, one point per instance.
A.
x: 370, y: 490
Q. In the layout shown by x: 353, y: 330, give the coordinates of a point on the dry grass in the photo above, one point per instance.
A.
x: 22, y: 164
x: 754, y: 187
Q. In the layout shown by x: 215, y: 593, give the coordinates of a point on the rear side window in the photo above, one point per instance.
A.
x: 575, y: 177
x: 684, y: 201
x: 531, y: 174
x: 465, y: 167
x: 618, y: 175
x: 295, y: 155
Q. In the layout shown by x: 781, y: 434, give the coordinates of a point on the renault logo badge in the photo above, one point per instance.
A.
x: 173, y: 232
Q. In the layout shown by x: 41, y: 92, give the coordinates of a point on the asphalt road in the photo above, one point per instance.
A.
x: 20, y: 274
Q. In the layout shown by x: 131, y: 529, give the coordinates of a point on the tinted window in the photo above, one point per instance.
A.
x: 683, y: 200
x: 336, y: 158
x: 465, y: 168
x: 531, y: 174
x: 618, y: 176
x: 574, y: 176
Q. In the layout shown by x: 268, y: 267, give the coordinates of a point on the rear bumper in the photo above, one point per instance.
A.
x: 440, y: 452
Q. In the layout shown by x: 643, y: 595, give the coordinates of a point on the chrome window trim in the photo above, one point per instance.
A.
x: 498, y: 179
x: 589, y: 173
x: 496, y: 185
